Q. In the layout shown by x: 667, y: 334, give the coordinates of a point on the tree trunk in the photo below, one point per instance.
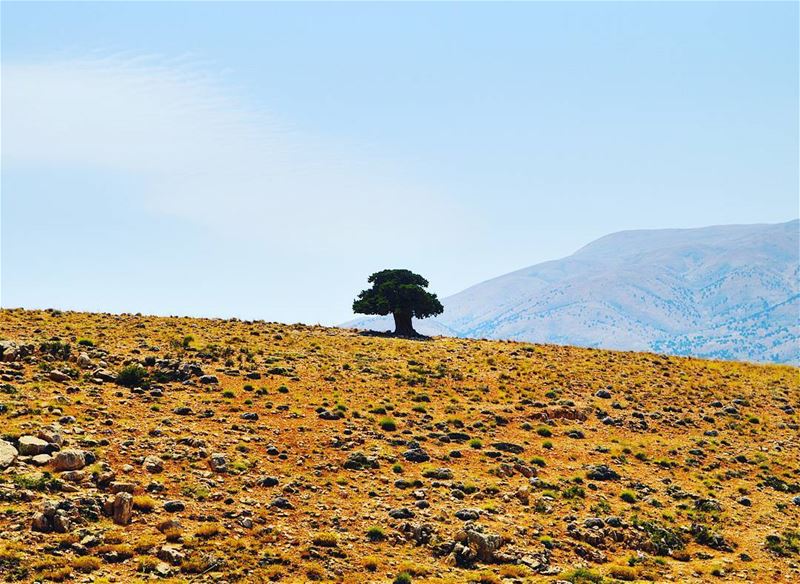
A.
x: 402, y: 325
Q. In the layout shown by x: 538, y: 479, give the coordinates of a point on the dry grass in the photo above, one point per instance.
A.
x: 681, y: 431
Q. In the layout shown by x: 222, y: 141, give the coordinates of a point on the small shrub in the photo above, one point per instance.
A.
x: 370, y: 563
x: 388, y: 424
x: 582, y: 576
x: 144, y: 503
x: 315, y: 572
x: 326, y: 539
x: 624, y: 573
x: 628, y: 496
x: 86, y: 564
x: 207, y: 531
x: 132, y: 376
x: 544, y: 432
x: 375, y: 534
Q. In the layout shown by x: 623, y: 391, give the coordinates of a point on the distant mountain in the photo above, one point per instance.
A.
x: 725, y: 292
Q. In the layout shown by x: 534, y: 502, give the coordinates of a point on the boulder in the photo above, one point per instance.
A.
x: 122, y: 508
x: 602, y: 473
x: 69, y: 459
x: 360, y: 461
x: 174, y: 506
x: 31, y: 446
x: 56, y: 375
x: 468, y: 514
x: 8, y: 454
x: 153, y: 464
x: 41, y: 459
x: 218, y: 462
x: 416, y: 455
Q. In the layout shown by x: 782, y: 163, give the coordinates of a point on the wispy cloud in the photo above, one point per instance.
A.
x: 197, y: 151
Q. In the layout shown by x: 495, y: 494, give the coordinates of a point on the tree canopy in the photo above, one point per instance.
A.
x: 400, y: 293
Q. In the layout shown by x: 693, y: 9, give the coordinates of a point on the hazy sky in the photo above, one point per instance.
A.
x: 261, y: 160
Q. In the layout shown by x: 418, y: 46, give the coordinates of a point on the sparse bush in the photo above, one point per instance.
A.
x: 144, y: 503
x: 207, y: 530
x: 582, y: 576
x: 388, y: 424
x: 624, y: 573
x: 133, y: 375
x: 370, y: 563
x: 86, y: 564
x: 326, y: 539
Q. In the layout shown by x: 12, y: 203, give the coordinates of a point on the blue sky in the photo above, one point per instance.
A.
x: 261, y: 160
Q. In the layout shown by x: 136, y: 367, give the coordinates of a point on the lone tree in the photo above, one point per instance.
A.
x: 400, y: 293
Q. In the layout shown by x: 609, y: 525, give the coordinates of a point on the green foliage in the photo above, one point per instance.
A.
x: 664, y: 540
x: 398, y: 292
x: 37, y: 482
x: 57, y: 349
x: 582, y: 576
x: 786, y: 545
x: 132, y: 376
x: 388, y: 424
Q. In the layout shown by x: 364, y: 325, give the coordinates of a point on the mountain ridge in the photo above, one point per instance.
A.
x: 661, y: 290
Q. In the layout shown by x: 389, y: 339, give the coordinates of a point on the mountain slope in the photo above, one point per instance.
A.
x: 725, y: 291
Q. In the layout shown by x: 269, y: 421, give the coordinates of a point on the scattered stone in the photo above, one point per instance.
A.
x: 207, y: 379
x: 69, y: 459
x: 218, y: 462
x: 602, y: 473
x: 443, y: 474
x: 267, y: 482
x: 122, y: 508
x: 153, y: 464
x: 31, y: 446
x: 281, y: 503
x: 360, y: 461
x: 41, y: 459
x: 468, y: 514
x: 174, y: 506
x: 416, y: 455
x: 8, y: 454
x: 170, y: 555
x: 56, y: 375
x: 508, y: 447
x: 401, y: 513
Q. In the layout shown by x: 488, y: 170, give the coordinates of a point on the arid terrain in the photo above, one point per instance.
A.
x: 180, y: 449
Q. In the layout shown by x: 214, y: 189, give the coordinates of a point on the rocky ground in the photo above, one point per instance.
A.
x: 137, y: 448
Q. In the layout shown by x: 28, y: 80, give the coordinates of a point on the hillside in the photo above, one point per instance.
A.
x: 219, y: 450
x: 726, y: 292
